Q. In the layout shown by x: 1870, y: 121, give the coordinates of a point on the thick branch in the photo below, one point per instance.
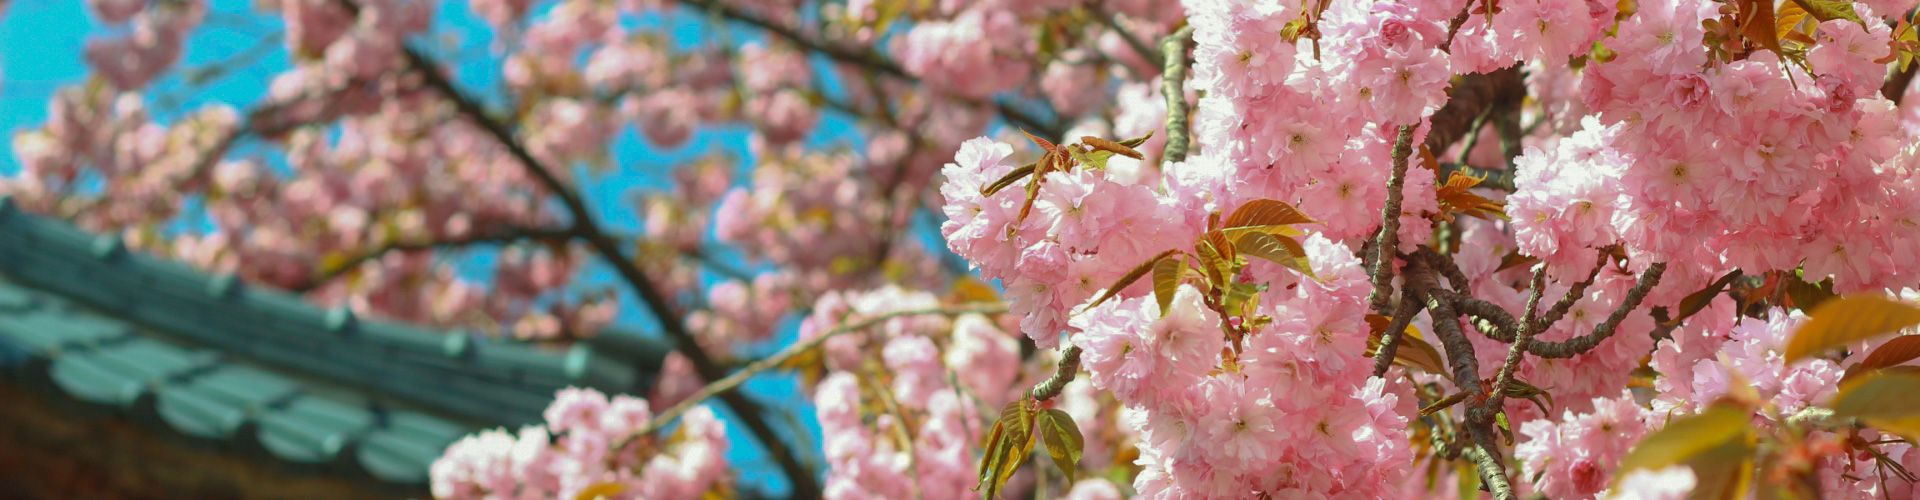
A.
x: 1069, y: 366
x: 1446, y: 267
x: 1173, y: 74
x: 1493, y: 474
x: 734, y: 380
x: 1388, y: 245
x: 1466, y: 372
x: 1502, y: 90
x: 805, y: 484
x: 1577, y: 345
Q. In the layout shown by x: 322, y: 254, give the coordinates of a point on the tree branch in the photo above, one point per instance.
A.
x: 1493, y: 474
x: 805, y: 484
x: 1173, y: 74
x: 1421, y: 281
x: 734, y: 380
x: 1390, y: 340
x: 864, y: 58
x: 1578, y: 345
x: 510, y: 235
x: 1107, y: 19
x: 1388, y: 246
x: 1069, y: 367
x: 1573, y: 296
x: 1503, y: 90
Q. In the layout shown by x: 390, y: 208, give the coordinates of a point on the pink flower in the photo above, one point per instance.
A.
x: 1188, y: 335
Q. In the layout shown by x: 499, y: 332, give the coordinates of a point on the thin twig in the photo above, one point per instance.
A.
x: 733, y: 380
x: 1497, y: 396
x: 1112, y: 23
x: 504, y: 236
x: 1573, y: 296
x: 1173, y: 74
x: 864, y: 58
x: 1578, y: 345
x: 1062, y: 374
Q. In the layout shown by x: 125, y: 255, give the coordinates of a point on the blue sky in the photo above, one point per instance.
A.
x: 40, y: 44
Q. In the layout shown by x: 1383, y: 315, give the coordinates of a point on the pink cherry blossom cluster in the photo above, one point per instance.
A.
x: 586, y: 443
x: 1756, y: 164
x: 901, y: 406
x: 155, y: 39
x: 1085, y: 231
x: 1297, y: 413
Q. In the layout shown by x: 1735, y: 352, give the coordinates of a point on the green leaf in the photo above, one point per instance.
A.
x: 1213, y: 262
x: 1137, y: 141
x: 1007, y: 446
x: 1128, y: 279
x: 1265, y: 212
x: 1063, y: 439
x: 1686, y: 437
x: 1723, y: 472
x: 1880, y: 395
x: 1238, y: 293
x: 1167, y: 275
x: 1008, y: 180
x: 1808, y: 296
x: 1825, y: 10
x: 1096, y: 159
x: 1283, y: 251
x: 1884, y: 400
x: 1847, y: 320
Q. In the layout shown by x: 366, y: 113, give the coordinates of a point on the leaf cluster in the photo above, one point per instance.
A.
x: 1261, y: 229
x: 1013, y: 435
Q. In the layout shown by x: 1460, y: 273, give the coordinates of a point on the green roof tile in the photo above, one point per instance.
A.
x: 214, y: 358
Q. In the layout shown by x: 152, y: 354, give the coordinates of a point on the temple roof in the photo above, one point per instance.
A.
x: 263, y: 371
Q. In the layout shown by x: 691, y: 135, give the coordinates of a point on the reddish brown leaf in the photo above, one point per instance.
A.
x: 1037, y: 141
x: 1132, y: 275
x: 1899, y: 350
x: 1110, y: 146
x: 1757, y: 24
x: 1265, y: 212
